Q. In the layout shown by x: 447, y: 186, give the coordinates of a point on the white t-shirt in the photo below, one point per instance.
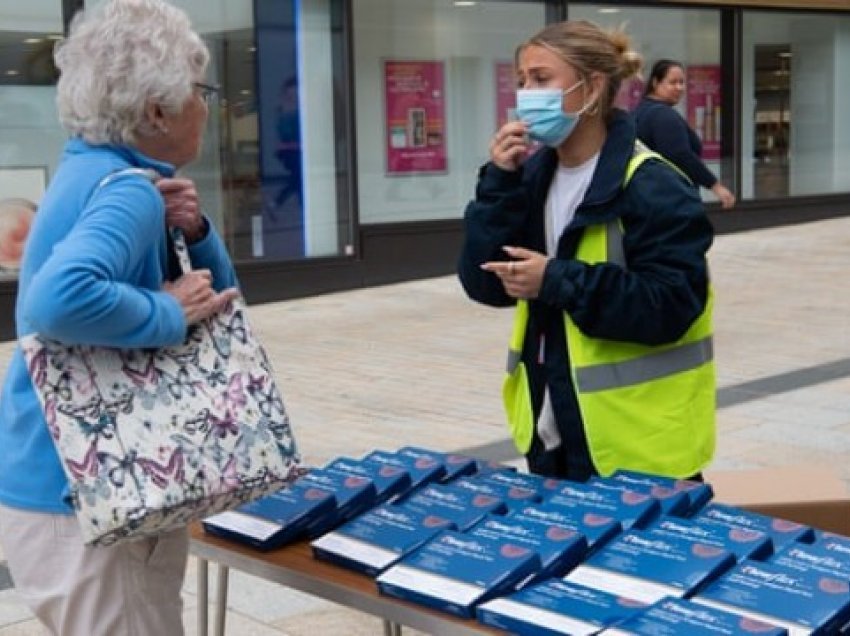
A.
x: 567, y: 191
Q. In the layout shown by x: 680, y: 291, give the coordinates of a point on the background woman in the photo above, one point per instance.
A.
x: 609, y: 363
x: 664, y: 130
x: 95, y: 271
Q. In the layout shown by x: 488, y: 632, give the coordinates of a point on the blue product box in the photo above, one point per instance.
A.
x: 463, y: 508
x: 630, y: 508
x: 273, y: 520
x: 389, y: 481
x: 488, y: 466
x: 743, y: 543
x: 515, y: 479
x: 555, y: 607
x: 672, y: 616
x: 820, y: 535
x: 803, y: 602
x: 422, y: 471
x: 673, y: 502
x: 559, y: 549
x: 698, y: 493
x: 455, y: 465
x: 453, y: 572
x: 780, y: 531
x: 373, y: 541
x: 647, y: 567
x: 513, y: 496
x: 597, y: 529
x: 830, y: 557
x: 353, y: 494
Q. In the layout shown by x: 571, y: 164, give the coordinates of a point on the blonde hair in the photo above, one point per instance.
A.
x: 590, y: 49
x: 118, y: 56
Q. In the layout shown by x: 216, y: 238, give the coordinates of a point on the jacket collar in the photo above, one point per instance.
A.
x: 128, y: 154
x: 610, y: 169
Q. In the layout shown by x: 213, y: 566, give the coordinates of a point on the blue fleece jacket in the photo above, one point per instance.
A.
x: 93, y: 268
x: 664, y: 130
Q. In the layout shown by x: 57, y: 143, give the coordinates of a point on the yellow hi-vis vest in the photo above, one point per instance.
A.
x: 645, y: 408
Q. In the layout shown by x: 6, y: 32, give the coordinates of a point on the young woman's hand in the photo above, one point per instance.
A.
x: 509, y: 146
x: 522, y: 276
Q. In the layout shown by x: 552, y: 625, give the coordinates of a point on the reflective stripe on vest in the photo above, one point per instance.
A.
x: 601, y: 377
x: 644, y: 408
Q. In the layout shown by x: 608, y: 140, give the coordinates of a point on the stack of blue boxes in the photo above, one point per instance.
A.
x: 626, y: 554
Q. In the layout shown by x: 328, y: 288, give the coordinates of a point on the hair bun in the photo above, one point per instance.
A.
x: 630, y: 60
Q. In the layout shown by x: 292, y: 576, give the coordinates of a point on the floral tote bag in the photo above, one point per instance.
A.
x: 151, y: 439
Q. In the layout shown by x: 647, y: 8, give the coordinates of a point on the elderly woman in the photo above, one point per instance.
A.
x: 95, y: 271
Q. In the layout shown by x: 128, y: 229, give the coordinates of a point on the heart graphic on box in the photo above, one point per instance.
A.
x: 353, y: 481
x: 706, y: 551
x: 783, y: 525
x: 592, y: 519
x: 482, y: 501
x: 556, y: 533
x: 512, y: 551
x: 742, y: 535
x: 632, y: 498
x: 833, y: 586
x: 754, y: 626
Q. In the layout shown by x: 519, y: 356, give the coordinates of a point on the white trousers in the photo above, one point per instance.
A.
x: 131, y: 589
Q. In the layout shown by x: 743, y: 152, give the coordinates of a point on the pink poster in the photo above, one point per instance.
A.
x: 505, y: 93
x: 415, y: 106
x: 704, y: 107
x: 630, y: 94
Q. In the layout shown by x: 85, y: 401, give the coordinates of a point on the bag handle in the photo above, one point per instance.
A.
x: 181, y: 249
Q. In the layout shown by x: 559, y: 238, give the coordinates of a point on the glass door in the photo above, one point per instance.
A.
x: 772, y: 119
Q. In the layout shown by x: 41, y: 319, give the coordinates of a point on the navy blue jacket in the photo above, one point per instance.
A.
x: 664, y: 130
x: 667, y: 235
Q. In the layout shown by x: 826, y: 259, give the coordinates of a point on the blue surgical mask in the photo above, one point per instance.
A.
x: 542, y: 109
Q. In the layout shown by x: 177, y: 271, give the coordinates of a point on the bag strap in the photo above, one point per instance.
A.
x: 178, y: 241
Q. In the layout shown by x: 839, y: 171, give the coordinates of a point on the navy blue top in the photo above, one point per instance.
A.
x: 652, y: 302
x: 664, y: 130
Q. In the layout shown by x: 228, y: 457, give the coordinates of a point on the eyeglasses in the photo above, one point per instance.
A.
x: 207, y: 91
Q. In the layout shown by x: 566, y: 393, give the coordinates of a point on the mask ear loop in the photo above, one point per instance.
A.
x: 591, y: 110
x: 587, y: 109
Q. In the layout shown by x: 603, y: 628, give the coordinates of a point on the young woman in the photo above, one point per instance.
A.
x: 602, y: 250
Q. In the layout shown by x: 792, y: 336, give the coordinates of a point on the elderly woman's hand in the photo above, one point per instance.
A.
x: 182, y: 208
x: 195, y: 293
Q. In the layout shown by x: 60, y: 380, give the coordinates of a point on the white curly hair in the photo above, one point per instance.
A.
x: 117, y: 57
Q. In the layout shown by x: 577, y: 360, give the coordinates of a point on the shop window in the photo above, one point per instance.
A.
x: 795, y: 93
x: 691, y: 37
x: 272, y: 173
x: 435, y: 79
x: 30, y: 136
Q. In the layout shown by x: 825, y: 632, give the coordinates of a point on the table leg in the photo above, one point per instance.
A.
x: 221, y: 599
x: 391, y: 629
x: 203, y: 593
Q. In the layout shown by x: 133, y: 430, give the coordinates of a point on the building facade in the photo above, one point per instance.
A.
x: 348, y: 134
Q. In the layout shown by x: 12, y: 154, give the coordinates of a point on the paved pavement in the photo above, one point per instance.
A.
x: 417, y: 363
